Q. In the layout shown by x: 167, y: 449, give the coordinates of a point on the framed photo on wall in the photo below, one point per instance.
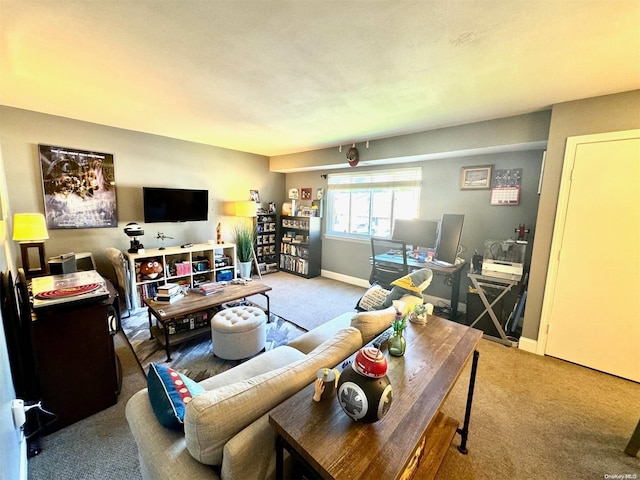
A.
x: 305, y: 193
x: 79, y: 188
x: 476, y: 178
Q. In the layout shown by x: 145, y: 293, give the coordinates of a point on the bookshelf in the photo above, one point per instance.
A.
x: 187, y: 266
x: 300, y: 245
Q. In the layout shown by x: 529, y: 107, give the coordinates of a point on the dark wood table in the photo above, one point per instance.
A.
x: 194, y: 302
x: 411, y: 440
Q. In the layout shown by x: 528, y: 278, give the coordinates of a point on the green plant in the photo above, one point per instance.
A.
x: 399, y: 324
x: 244, y: 242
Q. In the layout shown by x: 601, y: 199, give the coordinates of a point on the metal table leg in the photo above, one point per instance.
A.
x: 464, y: 431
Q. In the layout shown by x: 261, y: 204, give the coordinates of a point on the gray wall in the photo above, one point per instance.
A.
x: 441, y: 194
x: 140, y: 160
x: 608, y: 113
x: 9, y: 436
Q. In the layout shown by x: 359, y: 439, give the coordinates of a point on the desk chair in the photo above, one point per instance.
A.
x: 388, y: 260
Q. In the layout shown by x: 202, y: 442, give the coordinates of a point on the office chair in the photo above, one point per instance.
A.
x: 388, y: 260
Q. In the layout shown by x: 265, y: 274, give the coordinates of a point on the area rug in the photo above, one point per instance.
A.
x: 195, y: 358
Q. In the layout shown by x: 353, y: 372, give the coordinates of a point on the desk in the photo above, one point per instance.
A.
x: 503, y: 282
x: 455, y: 271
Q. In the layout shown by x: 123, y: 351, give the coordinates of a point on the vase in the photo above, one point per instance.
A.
x: 397, y: 344
x: 244, y: 269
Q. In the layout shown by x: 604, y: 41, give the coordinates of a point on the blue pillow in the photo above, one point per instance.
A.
x: 169, y: 393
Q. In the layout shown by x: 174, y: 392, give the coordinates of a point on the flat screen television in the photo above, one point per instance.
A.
x: 174, y: 205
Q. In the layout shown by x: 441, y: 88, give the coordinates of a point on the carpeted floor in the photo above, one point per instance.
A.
x: 195, y: 357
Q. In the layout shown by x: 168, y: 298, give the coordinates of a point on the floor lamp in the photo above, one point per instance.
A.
x: 248, y: 209
x: 30, y: 231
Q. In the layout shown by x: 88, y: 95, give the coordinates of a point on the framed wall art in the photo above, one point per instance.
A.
x: 476, y: 178
x: 79, y: 188
x: 305, y: 193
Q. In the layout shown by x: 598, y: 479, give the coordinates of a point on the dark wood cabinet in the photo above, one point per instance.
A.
x: 75, y: 360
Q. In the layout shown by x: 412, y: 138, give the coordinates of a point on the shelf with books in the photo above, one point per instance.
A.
x: 188, y: 267
x: 266, y: 226
x: 300, y: 246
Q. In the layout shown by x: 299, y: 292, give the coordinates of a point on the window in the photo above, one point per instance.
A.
x: 365, y: 204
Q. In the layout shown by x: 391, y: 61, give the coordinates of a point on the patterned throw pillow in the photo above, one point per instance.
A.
x: 169, y: 394
x: 372, y: 298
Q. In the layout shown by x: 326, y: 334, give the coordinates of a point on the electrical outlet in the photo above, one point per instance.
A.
x: 19, y: 416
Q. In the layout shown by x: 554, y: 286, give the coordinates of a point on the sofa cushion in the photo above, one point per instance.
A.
x: 169, y: 394
x: 213, y: 417
x: 372, y: 323
x: 310, y: 340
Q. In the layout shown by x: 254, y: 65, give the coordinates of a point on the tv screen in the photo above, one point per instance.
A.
x: 174, y: 205
x: 449, y: 238
x: 417, y: 233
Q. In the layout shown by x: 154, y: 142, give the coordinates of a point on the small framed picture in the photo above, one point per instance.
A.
x: 305, y: 193
x: 320, y: 193
x: 255, y: 196
x: 293, y: 194
x: 476, y: 178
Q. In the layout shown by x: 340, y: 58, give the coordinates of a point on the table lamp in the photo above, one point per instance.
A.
x: 30, y: 231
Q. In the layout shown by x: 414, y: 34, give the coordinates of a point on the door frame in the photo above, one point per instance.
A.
x: 560, y: 220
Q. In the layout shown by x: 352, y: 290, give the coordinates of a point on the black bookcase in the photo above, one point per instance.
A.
x: 300, y: 245
x: 267, y: 242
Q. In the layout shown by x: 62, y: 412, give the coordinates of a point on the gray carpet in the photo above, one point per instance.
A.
x: 533, y: 417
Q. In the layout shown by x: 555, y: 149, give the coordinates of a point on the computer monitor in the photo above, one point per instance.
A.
x: 449, y: 238
x: 84, y: 262
x: 417, y: 233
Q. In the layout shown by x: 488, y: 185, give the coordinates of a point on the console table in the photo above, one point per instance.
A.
x: 411, y: 440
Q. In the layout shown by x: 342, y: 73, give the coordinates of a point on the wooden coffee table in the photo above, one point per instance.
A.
x: 411, y: 440
x: 195, y: 302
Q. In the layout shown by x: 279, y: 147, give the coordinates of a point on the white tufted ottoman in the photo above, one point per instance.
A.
x: 238, y: 332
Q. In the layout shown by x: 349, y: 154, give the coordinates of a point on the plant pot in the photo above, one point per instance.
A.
x: 397, y: 344
x: 244, y: 269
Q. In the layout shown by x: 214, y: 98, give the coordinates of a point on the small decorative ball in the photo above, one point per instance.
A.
x: 364, y: 399
x: 370, y: 362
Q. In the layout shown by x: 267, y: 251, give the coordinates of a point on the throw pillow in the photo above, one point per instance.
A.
x: 169, y: 394
x: 372, y: 298
x: 372, y: 323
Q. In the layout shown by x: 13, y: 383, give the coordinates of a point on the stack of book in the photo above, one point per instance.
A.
x: 169, y: 293
x: 209, y: 288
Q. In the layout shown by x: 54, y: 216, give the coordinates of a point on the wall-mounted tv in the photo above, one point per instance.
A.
x: 174, y: 205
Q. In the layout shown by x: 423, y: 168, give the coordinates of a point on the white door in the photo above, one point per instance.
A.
x: 591, y: 304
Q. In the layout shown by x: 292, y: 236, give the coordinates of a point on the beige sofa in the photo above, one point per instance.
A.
x: 227, y: 433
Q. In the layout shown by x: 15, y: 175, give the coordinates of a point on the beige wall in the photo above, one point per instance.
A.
x: 608, y: 113
x: 140, y: 160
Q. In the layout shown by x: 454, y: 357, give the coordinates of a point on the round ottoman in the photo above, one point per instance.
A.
x: 238, y: 332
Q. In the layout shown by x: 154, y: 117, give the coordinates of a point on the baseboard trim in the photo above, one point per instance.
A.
x: 528, y: 345
x: 462, y: 307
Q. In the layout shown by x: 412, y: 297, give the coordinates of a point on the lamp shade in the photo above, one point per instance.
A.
x: 29, y: 227
x: 246, y: 208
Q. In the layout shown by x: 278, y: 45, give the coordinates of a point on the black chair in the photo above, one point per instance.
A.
x: 388, y: 260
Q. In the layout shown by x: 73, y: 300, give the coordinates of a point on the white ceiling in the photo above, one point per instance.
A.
x: 276, y: 77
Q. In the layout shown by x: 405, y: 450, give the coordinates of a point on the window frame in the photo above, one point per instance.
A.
x: 372, y: 182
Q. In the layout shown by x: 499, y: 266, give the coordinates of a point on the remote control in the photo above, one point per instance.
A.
x: 382, y: 338
x: 187, y: 245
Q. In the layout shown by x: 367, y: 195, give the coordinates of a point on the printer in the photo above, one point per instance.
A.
x: 504, y: 258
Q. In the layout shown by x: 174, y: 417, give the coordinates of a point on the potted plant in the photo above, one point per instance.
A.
x: 244, y: 248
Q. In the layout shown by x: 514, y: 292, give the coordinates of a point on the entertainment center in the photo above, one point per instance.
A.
x: 188, y: 266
